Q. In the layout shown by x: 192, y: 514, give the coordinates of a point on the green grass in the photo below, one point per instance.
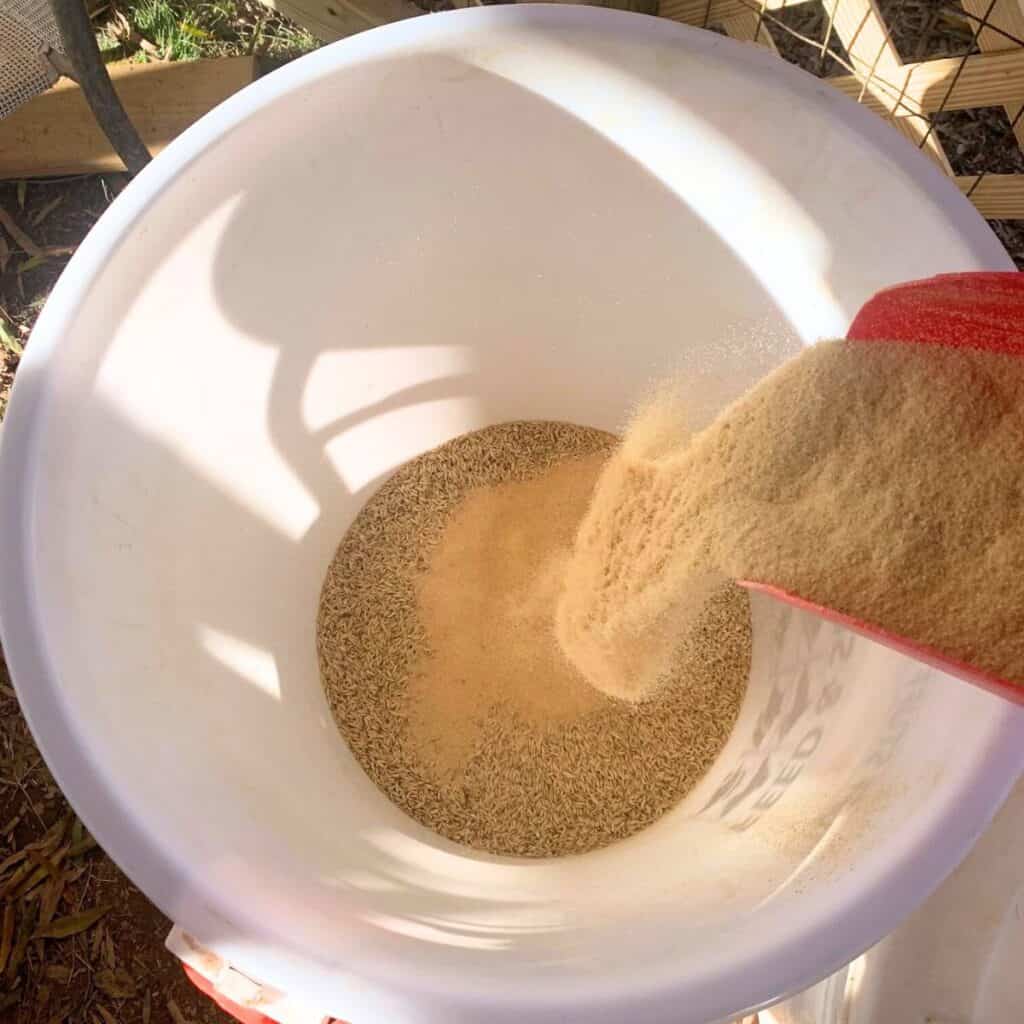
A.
x: 173, y: 29
x: 144, y: 30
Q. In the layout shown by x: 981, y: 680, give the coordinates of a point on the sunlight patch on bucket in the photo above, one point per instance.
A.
x: 464, y: 874
x: 379, y: 379
x: 428, y: 933
x: 249, y: 662
x: 854, y: 980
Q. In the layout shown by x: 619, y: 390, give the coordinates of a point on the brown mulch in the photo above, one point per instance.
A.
x: 41, y: 223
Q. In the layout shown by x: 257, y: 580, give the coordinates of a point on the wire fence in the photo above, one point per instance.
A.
x: 948, y: 75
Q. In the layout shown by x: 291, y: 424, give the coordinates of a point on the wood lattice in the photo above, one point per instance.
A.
x: 906, y: 94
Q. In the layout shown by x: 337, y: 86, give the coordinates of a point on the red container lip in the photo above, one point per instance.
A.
x: 977, y: 310
x: 920, y: 652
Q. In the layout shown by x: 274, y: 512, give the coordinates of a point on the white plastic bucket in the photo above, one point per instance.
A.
x: 957, y: 958
x: 453, y: 221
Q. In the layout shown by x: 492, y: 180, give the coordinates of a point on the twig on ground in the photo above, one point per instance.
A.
x: 19, y: 236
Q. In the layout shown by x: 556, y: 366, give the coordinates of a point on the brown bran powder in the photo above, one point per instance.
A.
x: 440, y: 663
x: 881, y: 479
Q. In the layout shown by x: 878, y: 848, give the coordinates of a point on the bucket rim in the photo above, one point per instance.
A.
x: 805, y: 946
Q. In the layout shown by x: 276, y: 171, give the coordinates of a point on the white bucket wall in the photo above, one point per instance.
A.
x: 497, y: 214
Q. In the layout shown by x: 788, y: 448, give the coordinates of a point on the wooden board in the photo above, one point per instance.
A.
x: 714, y: 12
x: 859, y: 25
x: 1006, y: 21
x: 55, y: 133
x: 1007, y: 15
x: 998, y: 196
x: 336, y: 19
x: 750, y: 27
x: 862, y: 31
x: 330, y: 20
x: 984, y: 80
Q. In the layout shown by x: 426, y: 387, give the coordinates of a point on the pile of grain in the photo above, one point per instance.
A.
x: 439, y: 660
x: 882, y: 479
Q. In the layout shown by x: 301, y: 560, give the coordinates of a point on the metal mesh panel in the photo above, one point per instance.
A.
x: 961, y: 103
x: 27, y: 33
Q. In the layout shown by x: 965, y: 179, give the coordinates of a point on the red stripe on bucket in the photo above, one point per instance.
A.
x: 240, y: 1013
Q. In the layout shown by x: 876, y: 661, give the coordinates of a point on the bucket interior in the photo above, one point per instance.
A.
x: 386, y: 247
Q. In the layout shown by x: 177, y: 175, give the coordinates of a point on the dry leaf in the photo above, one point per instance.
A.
x: 105, y: 1015
x: 25, y: 930
x: 22, y: 187
x: 58, y: 973
x: 97, y: 943
x: 72, y: 876
x: 13, y: 823
x: 52, y: 839
x: 81, y: 846
x: 42, y: 214
x: 118, y: 984
x: 16, y: 879
x: 6, y: 936
x: 15, y: 858
x: 31, y: 263
x: 47, y: 867
x: 24, y: 241
x: 147, y: 1007
x: 108, y: 950
x: 9, y: 339
x: 73, y: 924
x: 51, y: 900
x: 176, y: 1015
